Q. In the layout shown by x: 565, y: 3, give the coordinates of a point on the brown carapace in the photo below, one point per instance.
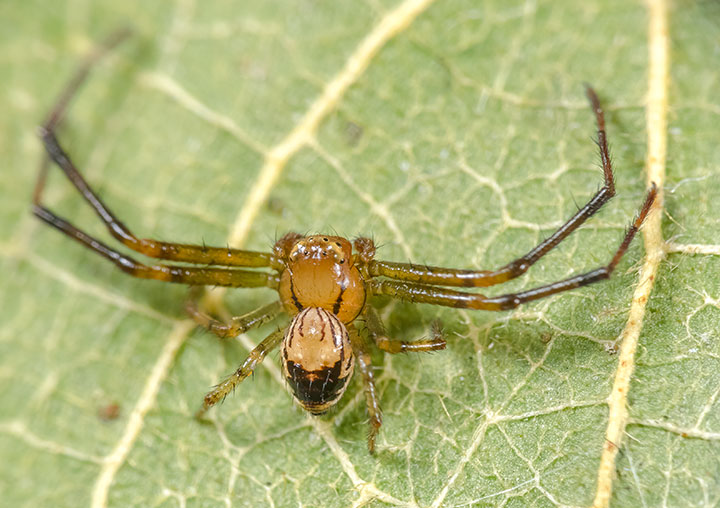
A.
x: 323, y: 284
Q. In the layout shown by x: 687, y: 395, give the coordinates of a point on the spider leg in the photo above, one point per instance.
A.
x: 238, y: 324
x: 483, y: 278
x: 425, y: 293
x: 168, y: 273
x: 363, y: 363
x: 58, y: 110
x: 255, y: 357
x: 379, y: 335
x: 163, y: 250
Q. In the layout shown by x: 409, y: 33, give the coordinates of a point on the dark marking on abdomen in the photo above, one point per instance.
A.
x: 316, y: 390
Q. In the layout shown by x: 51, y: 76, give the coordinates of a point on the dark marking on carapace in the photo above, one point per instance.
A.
x: 338, y: 303
x: 295, y: 300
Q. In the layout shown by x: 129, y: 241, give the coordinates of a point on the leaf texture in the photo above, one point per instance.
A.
x: 455, y: 133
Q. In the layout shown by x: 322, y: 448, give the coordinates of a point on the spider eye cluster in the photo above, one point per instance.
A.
x: 318, y: 247
x: 321, y: 272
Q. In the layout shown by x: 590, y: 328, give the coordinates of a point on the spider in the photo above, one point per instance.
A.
x: 323, y: 284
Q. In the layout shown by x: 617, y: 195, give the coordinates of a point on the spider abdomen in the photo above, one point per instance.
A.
x: 317, y: 359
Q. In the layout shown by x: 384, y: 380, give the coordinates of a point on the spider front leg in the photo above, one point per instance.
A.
x: 237, y: 325
x: 192, y: 275
x: 255, y: 357
x: 363, y: 363
x: 200, y: 254
x: 426, y: 293
x: 377, y: 331
x: 483, y: 278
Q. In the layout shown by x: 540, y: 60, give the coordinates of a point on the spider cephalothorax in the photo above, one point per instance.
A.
x: 321, y: 283
x: 320, y: 272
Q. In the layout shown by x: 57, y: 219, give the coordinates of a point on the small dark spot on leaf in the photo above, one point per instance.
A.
x: 353, y: 133
x: 276, y: 206
x: 109, y: 412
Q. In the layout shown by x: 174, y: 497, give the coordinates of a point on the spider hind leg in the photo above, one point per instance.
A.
x: 376, y: 329
x: 237, y: 325
x: 364, y: 365
x: 255, y: 357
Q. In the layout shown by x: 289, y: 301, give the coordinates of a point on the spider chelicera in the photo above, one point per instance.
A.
x: 323, y: 284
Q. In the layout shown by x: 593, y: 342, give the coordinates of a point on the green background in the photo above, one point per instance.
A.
x: 466, y: 141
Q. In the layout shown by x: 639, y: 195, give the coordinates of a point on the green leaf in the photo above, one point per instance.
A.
x: 465, y: 141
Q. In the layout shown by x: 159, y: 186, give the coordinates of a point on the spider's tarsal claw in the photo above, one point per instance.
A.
x: 200, y: 414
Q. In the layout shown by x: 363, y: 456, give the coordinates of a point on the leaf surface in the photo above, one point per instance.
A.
x: 462, y: 140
